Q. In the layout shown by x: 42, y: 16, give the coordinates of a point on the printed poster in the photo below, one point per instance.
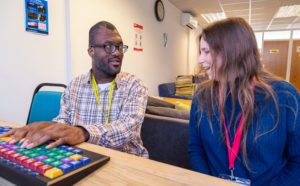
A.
x: 36, y: 12
x: 138, y: 36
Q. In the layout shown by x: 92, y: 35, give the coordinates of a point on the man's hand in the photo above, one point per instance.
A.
x: 41, y: 132
x: 18, y: 134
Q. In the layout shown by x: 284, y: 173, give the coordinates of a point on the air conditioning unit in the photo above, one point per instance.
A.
x: 188, y: 20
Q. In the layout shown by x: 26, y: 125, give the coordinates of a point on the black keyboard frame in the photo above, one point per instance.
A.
x: 17, y: 176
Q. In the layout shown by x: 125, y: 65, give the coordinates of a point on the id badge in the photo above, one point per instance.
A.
x: 243, y: 181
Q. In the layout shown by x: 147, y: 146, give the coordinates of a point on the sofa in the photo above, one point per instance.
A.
x: 169, y: 90
x: 183, y: 87
x: 165, y: 133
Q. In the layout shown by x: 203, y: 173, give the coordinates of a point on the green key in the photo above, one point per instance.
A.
x: 61, y: 151
x: 43, y: 146
x: 54, y: 150
x: 26, y: 152
x: 1, y: 141
x: 68, y: 154
x: 52, y: 154
x: 48, y: 161
x: 56, y: 163
x: 18, y: 144
x: 20, y: 151
x: 37, y: 149
x: 59, y: 157
x: 33, y: 155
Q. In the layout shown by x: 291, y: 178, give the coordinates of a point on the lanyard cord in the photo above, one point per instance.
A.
x: 111, y: 89
x: 233, y: 151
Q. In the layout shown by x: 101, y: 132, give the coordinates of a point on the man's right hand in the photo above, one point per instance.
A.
x: 38, y: 133
x: 19, y: 134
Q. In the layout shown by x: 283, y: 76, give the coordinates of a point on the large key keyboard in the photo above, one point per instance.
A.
x: 63, y: 165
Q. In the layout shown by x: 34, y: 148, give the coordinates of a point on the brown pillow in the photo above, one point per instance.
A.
x: 159, y: 103
x: 168, y: 112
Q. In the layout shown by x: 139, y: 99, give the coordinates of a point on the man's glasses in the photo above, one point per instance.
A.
x: 112, y: 48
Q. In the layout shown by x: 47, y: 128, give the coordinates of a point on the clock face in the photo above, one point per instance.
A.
x: 159, y: 10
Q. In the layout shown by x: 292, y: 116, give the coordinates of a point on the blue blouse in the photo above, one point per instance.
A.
x: 273, y: 158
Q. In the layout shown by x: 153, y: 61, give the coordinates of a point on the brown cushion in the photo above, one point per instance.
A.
x: 159, y: 103
x: 168, y: 112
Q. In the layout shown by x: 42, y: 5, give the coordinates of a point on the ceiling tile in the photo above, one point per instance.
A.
x: 262, y: 11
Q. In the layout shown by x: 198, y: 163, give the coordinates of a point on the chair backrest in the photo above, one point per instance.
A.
x: 166, y: 139
x: 45, y: 105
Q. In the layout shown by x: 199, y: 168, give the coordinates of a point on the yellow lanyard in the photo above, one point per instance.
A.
x: 111, y: 90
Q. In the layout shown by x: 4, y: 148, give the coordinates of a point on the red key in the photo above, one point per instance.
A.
x: 3, y: 150
x: 20, y: 159
x: 42, y: 169
x: 15, y: 156
x: 7, y: 154
x: 27, y: 162
x: 35, y: 165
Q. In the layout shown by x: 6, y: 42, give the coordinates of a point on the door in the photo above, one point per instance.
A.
x: 295, y: 65
x: 275, y: 57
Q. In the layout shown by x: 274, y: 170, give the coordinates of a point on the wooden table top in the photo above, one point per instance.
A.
x: 127, y: 169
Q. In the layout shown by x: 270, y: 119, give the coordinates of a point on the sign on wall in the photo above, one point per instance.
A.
x: 274, y: 51
x: 36, y: 13
x: 138, y: 37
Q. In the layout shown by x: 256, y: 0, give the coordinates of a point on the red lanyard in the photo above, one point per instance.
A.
x: 233, y: 151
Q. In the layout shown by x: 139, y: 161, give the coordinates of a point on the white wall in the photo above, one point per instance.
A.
x: 193, y: 51
x: 28, y: 59
x: 155, y: 64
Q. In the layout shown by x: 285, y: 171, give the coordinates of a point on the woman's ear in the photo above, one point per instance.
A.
x: 91, y: 51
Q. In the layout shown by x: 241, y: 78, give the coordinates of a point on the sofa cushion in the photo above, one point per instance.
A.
x: 166, y: 89
x: 169, y: 112
x: 182, y: 106
x: 159, y: 103
x: 184, y: 85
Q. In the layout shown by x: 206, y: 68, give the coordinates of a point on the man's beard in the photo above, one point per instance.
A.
x: 104, y: 67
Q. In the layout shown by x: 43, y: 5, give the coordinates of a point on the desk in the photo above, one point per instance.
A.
x: 127, y: 169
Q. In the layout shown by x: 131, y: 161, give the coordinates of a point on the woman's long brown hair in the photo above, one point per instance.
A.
x: 234, y: 41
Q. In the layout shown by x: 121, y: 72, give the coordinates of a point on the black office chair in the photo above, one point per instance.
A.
x: 45, y: 105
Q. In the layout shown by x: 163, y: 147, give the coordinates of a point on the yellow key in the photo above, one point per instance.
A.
x: 76, y: 156
x: 53, y: 173
x: 5, y: 138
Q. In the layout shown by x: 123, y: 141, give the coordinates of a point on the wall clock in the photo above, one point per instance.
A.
x: 159, y: 10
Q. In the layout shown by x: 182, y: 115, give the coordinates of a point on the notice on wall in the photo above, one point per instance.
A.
x: 274, y: 51
x: 298, y: 49
x: 36, y: 13
x: 138, y: 37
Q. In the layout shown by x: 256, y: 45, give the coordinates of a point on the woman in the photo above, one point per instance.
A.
x: 244, y: 123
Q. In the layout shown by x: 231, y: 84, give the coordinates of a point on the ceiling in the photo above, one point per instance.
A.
x: 261, y: 14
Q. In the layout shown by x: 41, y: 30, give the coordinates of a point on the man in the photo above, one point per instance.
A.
x: 104, y: 107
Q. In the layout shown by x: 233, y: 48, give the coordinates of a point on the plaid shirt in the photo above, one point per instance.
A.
x: 79, y: 107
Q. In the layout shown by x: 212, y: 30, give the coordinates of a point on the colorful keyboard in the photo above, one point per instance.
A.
x: 63, y: 165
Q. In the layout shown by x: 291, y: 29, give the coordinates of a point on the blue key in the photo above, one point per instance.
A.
x: 75, y: 164
x: 25, y: 170
x: 63, y: 147
x: 65, y: 168
x: 69, y: 149
x: 18, y: 166
x: 77, y: 151
x: 85, y: 160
